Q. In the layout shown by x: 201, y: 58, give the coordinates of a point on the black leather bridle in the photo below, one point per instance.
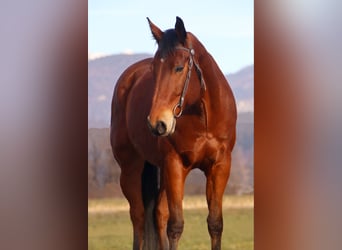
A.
x: 178, y: 109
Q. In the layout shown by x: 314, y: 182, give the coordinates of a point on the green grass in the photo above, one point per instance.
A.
x: 109, y: 231
x: 113, y: 230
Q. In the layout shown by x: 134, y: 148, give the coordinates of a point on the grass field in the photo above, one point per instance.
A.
x: 109, y: 226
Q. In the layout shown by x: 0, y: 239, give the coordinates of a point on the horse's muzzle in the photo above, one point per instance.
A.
x: 160, y: 128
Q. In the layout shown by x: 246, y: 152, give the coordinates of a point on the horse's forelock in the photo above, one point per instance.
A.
x: 168, y: 43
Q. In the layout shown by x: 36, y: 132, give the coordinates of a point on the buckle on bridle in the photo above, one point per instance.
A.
x: 177, y: 107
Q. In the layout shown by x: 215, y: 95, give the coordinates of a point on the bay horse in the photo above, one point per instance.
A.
x: 170, y: 114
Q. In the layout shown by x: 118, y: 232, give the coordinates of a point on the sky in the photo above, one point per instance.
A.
x: 225, y: 27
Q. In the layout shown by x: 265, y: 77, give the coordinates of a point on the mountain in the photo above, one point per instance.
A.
x: 105, y: 71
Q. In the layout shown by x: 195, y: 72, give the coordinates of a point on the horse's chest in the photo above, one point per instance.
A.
x: 202, y: 152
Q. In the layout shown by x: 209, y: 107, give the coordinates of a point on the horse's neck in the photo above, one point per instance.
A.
x: 216, y: 99
x: 212, y: 77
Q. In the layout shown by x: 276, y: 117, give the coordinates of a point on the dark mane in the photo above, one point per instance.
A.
x: 168, y: 42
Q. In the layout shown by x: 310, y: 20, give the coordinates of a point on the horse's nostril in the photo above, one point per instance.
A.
x: 161, y: 128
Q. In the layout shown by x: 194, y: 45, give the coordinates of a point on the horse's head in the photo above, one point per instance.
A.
x: 171, y: 67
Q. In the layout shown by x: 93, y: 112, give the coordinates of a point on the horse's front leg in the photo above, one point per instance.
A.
x: 131, y: 173
x: 217, y: 177
x: 174, y: 185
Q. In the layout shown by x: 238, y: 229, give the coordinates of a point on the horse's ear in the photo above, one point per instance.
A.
x: 180, y: 29
x: 156, y: 32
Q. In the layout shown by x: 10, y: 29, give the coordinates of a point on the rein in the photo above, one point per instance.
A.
x: 179, y: 105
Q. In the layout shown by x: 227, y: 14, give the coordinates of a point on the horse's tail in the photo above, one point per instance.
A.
x: 150, y: 195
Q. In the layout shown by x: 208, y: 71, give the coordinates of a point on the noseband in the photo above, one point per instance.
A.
x: 178, y: 109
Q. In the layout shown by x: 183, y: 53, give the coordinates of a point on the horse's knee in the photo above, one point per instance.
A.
x: 175, y: 228
x: 215, y: 225
x: 162, y: 216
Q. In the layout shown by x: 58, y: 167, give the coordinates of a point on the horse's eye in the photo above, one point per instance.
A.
x: 179, y: 68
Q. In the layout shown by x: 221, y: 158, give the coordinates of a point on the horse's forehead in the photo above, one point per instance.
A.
x: 171, y: 57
